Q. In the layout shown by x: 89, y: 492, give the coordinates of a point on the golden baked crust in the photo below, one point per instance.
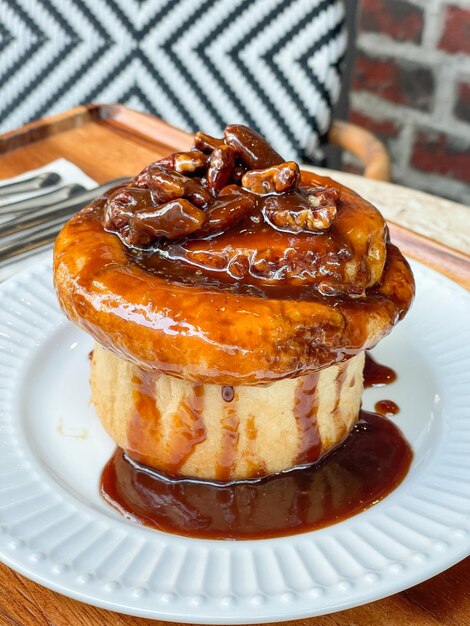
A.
x: 184, y: 428
x: 221, y: 336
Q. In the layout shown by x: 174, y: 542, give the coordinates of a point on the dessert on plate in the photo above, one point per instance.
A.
x: 231, y: 297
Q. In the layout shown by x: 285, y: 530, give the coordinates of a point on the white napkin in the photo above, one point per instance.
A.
x: 69, y: 173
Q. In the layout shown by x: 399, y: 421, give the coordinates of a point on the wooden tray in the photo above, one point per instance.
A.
x: 108, y: 141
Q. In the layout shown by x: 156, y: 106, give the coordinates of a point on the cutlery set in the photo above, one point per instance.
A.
x: 28, y: 225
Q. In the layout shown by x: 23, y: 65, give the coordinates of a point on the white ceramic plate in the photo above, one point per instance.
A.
x: 56, y: 530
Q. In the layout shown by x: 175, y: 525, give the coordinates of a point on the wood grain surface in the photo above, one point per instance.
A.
x: 441, y: 601
x: 111, y: 141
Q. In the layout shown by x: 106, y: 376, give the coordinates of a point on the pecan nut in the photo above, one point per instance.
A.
x: 221, y: 164
x: 206, y: 143
x: 165, y: 184
x: 121, y: 205
x: 229, y: 207
x: 196, y: 193
x: 296, y: 213
x: 171, y: 220
x: 185, y: 162
x: 323, y: 196
x: 252, y: 149
x: 276, y: 179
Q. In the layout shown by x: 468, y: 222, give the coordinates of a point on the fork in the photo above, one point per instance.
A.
x: 10, y: 252
x: 30, y: 232
x: 41, y: 181
x: 45, y: 199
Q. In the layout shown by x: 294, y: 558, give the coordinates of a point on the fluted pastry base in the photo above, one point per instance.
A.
x: 184, y: 428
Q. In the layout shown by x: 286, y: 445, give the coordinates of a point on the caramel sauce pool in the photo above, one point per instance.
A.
x: 371, y: 462
x: 368, y: 465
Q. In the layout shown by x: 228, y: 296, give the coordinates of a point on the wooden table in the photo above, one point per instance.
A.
x: 442, y: 600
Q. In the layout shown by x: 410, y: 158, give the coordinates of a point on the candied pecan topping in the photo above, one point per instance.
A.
x: 164, y: 184
x: 296, y: 213
x: 208, y: 189
x: 232, y: 204
x: 172, y: 220
x: 138, y: 221
x: 167, y: 185
x: 255, y: 152
x: 221, y: 164
x: 206, y: 143
x: 194, y: 191
x: 120, y: 207
x: 276, y: 179
x: 185, y: 162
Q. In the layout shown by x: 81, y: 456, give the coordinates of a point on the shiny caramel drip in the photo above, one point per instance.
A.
x: 305, y: 412
x: 387, y: 408
x: 376, y: 374
x: 341, y: 377
x: 256, y: 467
x: 229, y: 443
x: 145, y: 432
x: 188, y: 429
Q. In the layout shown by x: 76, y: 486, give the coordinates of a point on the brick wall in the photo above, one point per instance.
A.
x: 411, y: 87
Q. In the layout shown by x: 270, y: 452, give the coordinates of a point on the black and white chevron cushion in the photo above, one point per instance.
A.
x: 271, y: 64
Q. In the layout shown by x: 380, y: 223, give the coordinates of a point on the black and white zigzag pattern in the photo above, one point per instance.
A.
x: 271, y: 64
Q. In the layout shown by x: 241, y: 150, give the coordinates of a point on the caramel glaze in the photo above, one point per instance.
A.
x: 345, y: 260
x: 256, y: 467
x: 340, y: 380
x: 387, y: 408
x: 198, y: 328
x: 254, y: 259
x: 145, y: 432
x: 371, y: 462
x: 168, y: 447
x: 228, y: 446
x: 376, y: 374
x: 305, y: 412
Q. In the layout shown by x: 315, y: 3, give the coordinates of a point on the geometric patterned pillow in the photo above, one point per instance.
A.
x: 271, y: 64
